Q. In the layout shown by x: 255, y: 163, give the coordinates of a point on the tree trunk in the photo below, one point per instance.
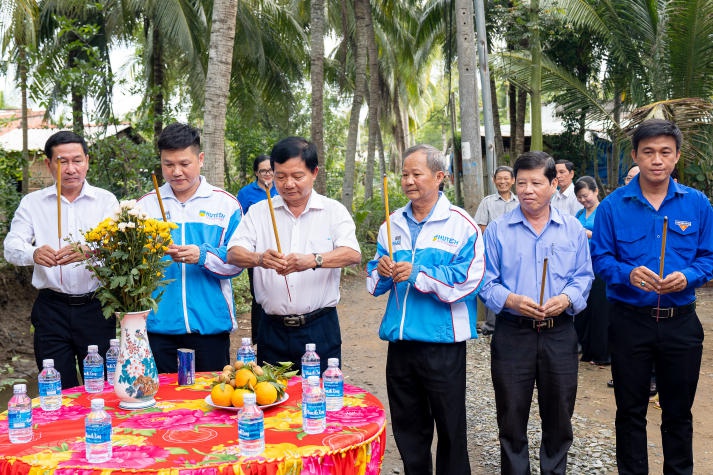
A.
x: 490, y: 156
x: 22, y: 73
x: 77, y: 98
x: 512, y: 113
x: 217, y: 85
x: 468, y: 95
x: 399, y: 136
x: 360, y: 59
x: 499, y: 147
x: 157, y: 87
x: 536, y: 82
x: 374, y: 104
x: 520, y: 121
x: 317, y: 82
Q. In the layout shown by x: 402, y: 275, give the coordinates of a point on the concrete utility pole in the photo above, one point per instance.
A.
x: 490, y: 158
x: 468, y: 95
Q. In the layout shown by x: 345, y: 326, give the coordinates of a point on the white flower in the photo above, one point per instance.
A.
x: 127, y: 204
x: 134, y: 212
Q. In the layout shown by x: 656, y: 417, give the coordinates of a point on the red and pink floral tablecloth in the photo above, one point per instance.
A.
x: 183, y: 435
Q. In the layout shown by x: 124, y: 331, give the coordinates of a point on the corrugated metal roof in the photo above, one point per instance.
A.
x: 36, y: 138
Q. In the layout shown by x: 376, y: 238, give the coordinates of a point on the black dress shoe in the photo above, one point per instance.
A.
x: 486, y: 332
x: 610, y: 383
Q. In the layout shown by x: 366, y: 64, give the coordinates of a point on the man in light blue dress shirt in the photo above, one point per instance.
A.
x: 534, y: 340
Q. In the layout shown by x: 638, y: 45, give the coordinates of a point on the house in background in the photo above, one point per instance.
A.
x: 38, y: 133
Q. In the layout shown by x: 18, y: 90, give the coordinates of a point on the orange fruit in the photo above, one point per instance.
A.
x: 244, y: 377
x: 237, y: 398
x: 221, y: 394
x: 265, y: 393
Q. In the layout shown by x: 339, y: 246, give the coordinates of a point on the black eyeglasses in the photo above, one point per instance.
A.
x: 265, y: 172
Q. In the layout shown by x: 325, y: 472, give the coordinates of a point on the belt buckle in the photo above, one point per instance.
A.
x: 658, y: 312
x: 76, y: 300
x: 294, y: 321
x: 547, y: 323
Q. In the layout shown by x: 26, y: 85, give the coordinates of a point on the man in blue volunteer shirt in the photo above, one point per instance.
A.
x: 433, y: 279
x: 653, y: 319
x: 535, y: 341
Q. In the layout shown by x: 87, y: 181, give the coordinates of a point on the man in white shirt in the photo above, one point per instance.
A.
x: 491, y: 208
x: 564, y: 199
x: 66, y: 315
x: 298, y: 287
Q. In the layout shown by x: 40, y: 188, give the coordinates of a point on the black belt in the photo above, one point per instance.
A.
x: 295, y: 320
x: 660, y: 312
x: 69, y: 299
x: 538, y: 325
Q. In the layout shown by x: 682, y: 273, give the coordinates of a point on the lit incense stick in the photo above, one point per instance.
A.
x: 388, y: 217
x: 544, y: 278
x: 277, y: 237
x: 59, y: 210
x: 158, y: 195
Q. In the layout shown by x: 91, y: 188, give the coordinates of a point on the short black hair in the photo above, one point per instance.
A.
x: 258, y: 160
x: 178, y: 136
x: 63, y: 137
x: 504, y: 168
x: 295, y: 147
x: 566, y: 163
x: 585, y: 182
x: 656, y: 128
x: 535, y: 159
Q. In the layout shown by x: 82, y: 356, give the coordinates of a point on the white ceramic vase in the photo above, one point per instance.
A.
x: 136, y: 378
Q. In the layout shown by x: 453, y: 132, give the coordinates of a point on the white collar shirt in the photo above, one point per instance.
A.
x: 35, y: 225
x: 324, y: 225
x: 566, y: 201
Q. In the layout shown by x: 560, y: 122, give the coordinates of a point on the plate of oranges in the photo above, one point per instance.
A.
x: 267, y: 382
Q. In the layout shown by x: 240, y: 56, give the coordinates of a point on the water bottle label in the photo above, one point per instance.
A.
x: 333, y: 388
x: 315, y: 410
x: 251, y: 429
x: 93, y: 371
x: 19, y: 419
x: 50, y: 388
x: 98, y: 433
x: 310, y: 370
x: 110, y: 366
x: 246, y: 358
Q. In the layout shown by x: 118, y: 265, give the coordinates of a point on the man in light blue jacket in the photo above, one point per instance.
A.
x: 433, y: 276
x: 197, y: 309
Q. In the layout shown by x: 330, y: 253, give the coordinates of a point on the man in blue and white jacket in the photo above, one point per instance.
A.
x: 197, y: 308
x: 437, y: 268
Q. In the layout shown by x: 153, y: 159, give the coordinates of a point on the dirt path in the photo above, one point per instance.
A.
x: 364, y: 362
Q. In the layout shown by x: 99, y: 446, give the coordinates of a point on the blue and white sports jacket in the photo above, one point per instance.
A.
x: 438, y: 302
x: 200, y: 297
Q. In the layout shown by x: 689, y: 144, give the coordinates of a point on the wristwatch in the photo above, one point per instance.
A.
x: 318, y: 259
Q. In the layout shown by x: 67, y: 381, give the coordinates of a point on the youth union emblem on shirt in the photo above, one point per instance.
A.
x: 683, y: 225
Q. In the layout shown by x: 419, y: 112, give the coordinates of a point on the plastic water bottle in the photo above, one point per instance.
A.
x: 19, y: 415
x: 93, y: 370
x: 97, y: 433
x: 246, y: 354
x: 112, y: 356
x: 333, y: 385
x: 314, y: 407
x: 49, y: 383
x: 310, y: 362
x: 251, y: 427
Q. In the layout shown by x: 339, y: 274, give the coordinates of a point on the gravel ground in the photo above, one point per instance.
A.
x: 593, y: 450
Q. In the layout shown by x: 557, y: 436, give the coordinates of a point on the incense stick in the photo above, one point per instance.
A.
x: 544, y: 278
x: 664, y: 232
x: 158, y: 195
x: 388, y: 217
x: 277, y: 236
x: 59, y: 210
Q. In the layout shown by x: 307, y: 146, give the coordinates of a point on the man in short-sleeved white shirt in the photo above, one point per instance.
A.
x: 565, y: 199
x: 491, y: 208
x: 299, y: 287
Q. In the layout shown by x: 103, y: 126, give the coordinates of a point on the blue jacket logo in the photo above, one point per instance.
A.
x: 449, y: 241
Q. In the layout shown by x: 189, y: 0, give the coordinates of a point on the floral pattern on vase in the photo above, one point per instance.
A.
x: 136, y: 378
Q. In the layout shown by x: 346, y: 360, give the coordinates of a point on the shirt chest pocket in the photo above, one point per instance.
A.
x: 682, y: 238
x: 631, y: 244
x: 562, y: 260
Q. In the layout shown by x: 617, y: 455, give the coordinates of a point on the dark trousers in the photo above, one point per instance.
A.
x: 520, y: 358
x: 426, y: 384
x: 675, y: 345
x: 212, y: 351
x: 256, y: 310
x: 276, y: 342
x: 63, y: 332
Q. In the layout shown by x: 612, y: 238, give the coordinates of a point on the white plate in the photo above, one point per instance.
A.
x: 209, y: 401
